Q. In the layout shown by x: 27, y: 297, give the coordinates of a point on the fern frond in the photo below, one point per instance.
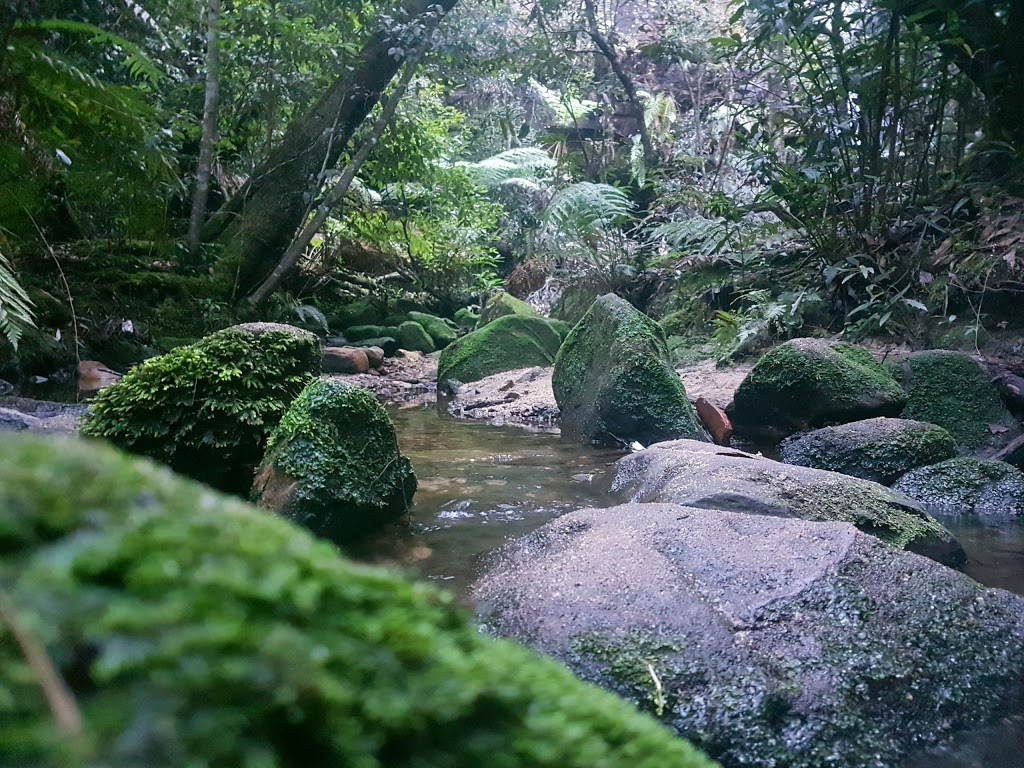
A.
x: 587, y: 207
x: 518, y: 163
x: 694, y: 235
x: 15, y: 305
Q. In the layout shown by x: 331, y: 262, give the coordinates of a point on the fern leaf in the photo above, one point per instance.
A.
x: 519, y: 163
x: 15, y: 305
x: 587, y: 207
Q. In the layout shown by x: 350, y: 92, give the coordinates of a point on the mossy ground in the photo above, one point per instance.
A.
x: 510, y: 342
x: 195, y: 630
x: 338, y: 445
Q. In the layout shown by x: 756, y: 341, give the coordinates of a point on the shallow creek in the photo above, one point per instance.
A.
x: 481, y: 485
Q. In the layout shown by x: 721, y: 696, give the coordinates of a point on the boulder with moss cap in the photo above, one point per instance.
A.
x: 711, y: 477
x: 810, y: 383
x: 501, y: 304
x: 333, y: 463
x: 192, y: 629
x: 207, y: 409
x: 613, y: 381
x: 879, y: 449
x: 509, y: 343
x: 967, y: 485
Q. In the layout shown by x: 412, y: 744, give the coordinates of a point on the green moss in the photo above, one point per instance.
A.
x: 967, y: 484
x: 874, y: 449
x: 613, y: 381
x: 952, y: 390
x: 807, y: 383
x: 510, y: 342
x: 207, y: 409
x: 195, y: 630
x: 467, y: 319
x: 502, y: 304
x: 361, y: 332
x: 443, y: 332
x: 561, y: 328
x: 411, y: 335
x: 333, y: 463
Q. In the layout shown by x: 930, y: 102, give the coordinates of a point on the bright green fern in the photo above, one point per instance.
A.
x: 15, y: 305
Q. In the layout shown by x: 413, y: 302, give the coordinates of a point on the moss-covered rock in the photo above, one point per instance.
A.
x: 362, y: 332
x: 952, y: 390
x: 362, y: 312
x: 467, y: 319
x: 878, y: 449
x: 698, y: 474
x: 195, y: 630
x: 810, y: 383
x: 442, y: 331
x: 206, y: 410
x: 562, y: 328
x: 967, y: 485
x: 613, y: 381
x: 769, y: 642
x: 333, y: 463
x: 388, y: 343
x: 501, y: 304
x: 575, y: 300
x: 510, y: 342
x: 411, y: 335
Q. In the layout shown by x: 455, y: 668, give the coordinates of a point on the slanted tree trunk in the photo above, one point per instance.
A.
x: 205, y: 165
x: 257, y: 224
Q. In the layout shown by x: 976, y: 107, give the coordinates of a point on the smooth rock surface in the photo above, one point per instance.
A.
x: 345, y: 360
x: 711, y: 477
x: 767, y: 642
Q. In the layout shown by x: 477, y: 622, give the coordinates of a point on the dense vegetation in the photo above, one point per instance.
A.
x: 744, y: 171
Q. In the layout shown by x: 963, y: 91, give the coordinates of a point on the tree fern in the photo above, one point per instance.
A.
x: 519, y: 163
x: 15, y: 305
x: 586, y: 208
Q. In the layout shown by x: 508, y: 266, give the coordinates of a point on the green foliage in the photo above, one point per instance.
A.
x: 193, y: 629
x: 333, y: 463
x: 207, y: 410
x: 15, y: 305
x: 517, y: 163
x: 760, y: 318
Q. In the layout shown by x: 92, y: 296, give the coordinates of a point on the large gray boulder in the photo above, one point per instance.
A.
x: 711, y: 477
x: 614, y: 383
x: 881, y: 449
x: 767, y: 642
x: 810, y: 383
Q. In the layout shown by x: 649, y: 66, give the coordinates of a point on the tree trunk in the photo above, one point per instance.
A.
x: 257, y: 224
x: 205, y: 165
x: 302, y: 240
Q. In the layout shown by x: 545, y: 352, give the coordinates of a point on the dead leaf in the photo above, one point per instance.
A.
x: 997, y: 429
x: 925, y: 278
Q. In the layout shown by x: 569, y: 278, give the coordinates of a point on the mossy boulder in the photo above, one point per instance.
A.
x: 361, y: 312
x: 878, y: 449
x: 387, y: 343
x: 697, y: 474
x: 810, y: 383
x: 467, y: 319
x: 575, y: 300
x: 195, y: 630
x: 501, y: 304
x: 967, y: 485
x: 363, y: 332
x: 952, y: 390
x: 441, y: 330
x: 333, y: 463
x: 613, y: 381
x: 510, y: 342
x: 767, y: 641
x: 206, y: 410
x: 411, y: 335
x: 562, y: 328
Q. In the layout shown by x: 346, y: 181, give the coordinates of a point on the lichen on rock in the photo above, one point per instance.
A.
x: 333, y: 463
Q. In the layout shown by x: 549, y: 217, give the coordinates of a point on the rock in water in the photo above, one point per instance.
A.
x: 881, y: 450
x: 700, y: 475
x: 810, y: 383
x: 509, y: 343
x: 207, y: 409
x: 767, y: 642
x: 192, y: 629
x: 967, y: 485
x: 952, y: 390
x: 614, y: 383
x: 333, y: 463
